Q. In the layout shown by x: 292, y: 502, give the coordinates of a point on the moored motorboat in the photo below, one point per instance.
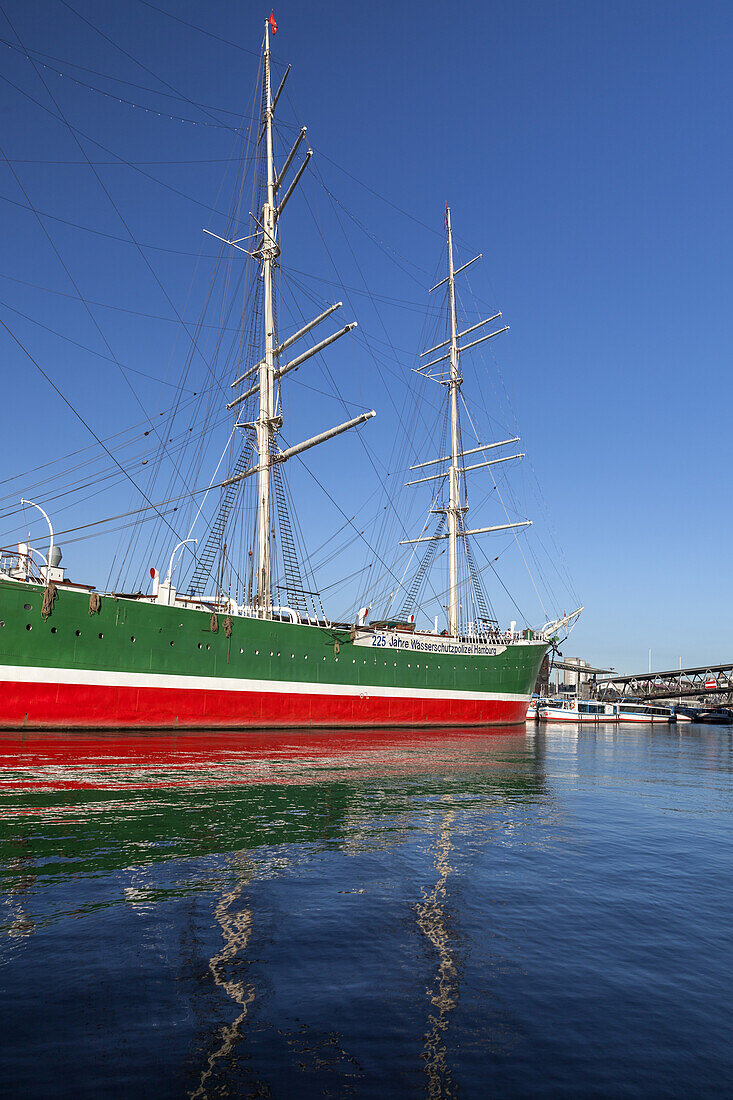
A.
x: 716, y: 716
x: 686, y: 714
x: 575, y: 710
x: 648, y: 712
x: 589, y: 710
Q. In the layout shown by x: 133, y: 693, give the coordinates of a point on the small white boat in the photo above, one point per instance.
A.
x: 587, y: 710
x: 575, y: 710
x: 648, y: 712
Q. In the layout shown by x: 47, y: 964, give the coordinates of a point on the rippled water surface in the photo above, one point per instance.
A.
x: 459, y: 914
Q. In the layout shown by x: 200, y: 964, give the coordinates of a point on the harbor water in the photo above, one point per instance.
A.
x: 542, y: 912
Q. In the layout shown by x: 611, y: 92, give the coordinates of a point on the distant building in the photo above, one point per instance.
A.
x: 572, y: 676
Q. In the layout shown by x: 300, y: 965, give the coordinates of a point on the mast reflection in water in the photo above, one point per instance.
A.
x: 356, y: 914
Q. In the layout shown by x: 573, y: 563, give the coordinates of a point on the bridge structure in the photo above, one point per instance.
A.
x: 582, y: 673
x: 584, y: 670
x: 712, y: 684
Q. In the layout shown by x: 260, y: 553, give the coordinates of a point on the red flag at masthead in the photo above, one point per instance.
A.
x: 272, y: 22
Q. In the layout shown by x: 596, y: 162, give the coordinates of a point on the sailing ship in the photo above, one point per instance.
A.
x: 75, y: 658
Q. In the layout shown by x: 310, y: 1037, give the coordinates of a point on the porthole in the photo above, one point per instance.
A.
x: 278, y: 652
x: 100, y: 636
x: 2, y: 622
x: 241, y: 651
x: 132, y: 637
x: 271, y: 653
x: 54, y: 629
x: 26, y: 607
x: 78, y: 633
x: 208, y: 646
x: 292, y: 655
x: 28, y: 626
x: 305, y: 657
x: 172, y: 643
x: 257, y: 653
x: 201, y: 645
x: 324, y: 658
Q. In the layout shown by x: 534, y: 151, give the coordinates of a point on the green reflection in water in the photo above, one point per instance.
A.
x: 90, y: 809
x: 94, y: 814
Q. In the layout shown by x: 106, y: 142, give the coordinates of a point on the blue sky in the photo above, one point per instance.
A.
x: 584, y: 149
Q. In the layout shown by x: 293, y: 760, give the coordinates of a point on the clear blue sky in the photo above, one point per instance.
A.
x: 584, y: 149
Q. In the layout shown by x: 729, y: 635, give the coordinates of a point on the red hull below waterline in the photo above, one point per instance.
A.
x: 87, y: 706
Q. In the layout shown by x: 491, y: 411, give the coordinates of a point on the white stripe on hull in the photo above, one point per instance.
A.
x: 643, y: 718
x: 103, y: 678
x: 574, y: 716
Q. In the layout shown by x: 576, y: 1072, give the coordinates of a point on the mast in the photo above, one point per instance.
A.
x: 264, y: 423
x: 450, y: 376
x: 266, y: 374
x: 453, y: 498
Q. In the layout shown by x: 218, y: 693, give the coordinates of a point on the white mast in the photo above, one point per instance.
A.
x: 264, y: 422
x: 452, y: 379
x: 268, y: 423
x: 453, y: 499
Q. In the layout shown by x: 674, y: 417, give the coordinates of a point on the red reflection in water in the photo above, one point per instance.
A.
x: 58, y: 761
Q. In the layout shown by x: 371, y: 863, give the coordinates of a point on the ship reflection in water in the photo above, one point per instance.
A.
x: 286, y: 914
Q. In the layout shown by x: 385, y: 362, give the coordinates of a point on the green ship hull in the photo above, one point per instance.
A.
x: 134, y: 663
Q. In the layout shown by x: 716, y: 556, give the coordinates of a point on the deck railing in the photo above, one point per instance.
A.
x: 19, y: 566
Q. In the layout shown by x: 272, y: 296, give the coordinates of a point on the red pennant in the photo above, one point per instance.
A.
x: 272, y: 22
